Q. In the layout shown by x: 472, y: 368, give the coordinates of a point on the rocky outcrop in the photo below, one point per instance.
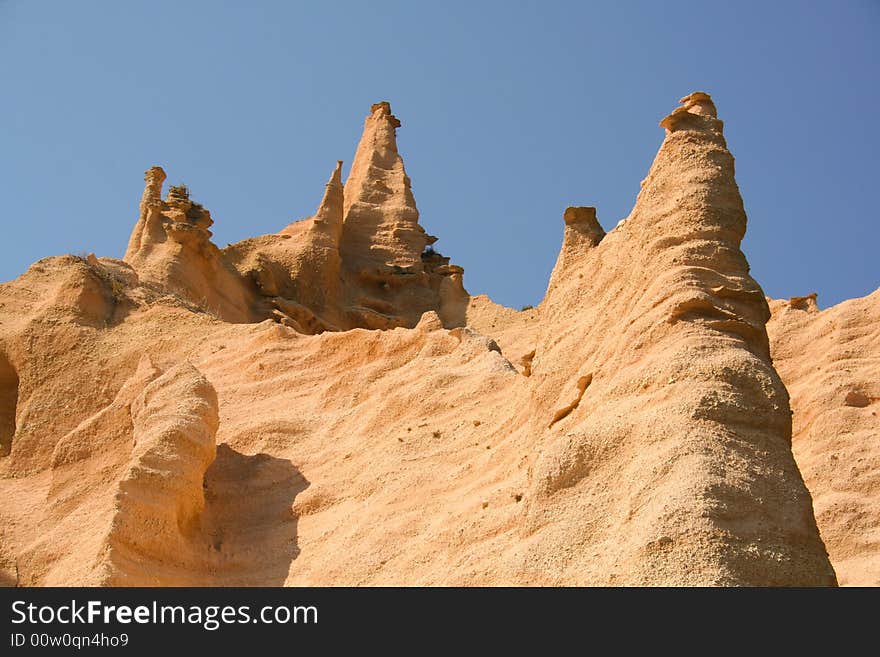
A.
x: 582, y: 233
x: 52, y: 317
x: 383, y: 246
x: 127, y: 485
x: 171, y: 249
x: 829, y: 361
x: 298, y: 271
x: 141, y: 496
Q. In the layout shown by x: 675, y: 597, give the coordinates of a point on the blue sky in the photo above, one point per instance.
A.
x: 511, y: 111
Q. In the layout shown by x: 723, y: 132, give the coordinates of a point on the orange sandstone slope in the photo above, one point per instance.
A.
x: 829, y: 361
x: 327, y: 405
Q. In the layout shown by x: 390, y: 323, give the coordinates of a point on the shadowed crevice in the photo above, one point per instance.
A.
x: 249, y: 517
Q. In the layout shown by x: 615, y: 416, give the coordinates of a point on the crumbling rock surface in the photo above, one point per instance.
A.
x: 328, y: 405
x: 154, y: 532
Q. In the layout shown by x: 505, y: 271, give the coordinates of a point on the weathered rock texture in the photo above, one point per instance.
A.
x: 829, y: 361
x: 328, y: 405
x: 298, y: 271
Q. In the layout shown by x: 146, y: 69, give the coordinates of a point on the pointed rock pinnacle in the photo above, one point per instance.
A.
x: 381, y: 219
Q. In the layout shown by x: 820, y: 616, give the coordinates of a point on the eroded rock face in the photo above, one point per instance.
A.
x: 328, y: 405
x: 391, y: 278
x: 582, y: 233
x: 127, y: 484
x: 142, y: 496
x: 829, y: 361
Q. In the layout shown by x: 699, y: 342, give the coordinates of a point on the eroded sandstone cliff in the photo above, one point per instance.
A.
x: 328, y: 405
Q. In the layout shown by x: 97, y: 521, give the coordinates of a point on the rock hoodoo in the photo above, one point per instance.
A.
x: 582, y: 233
x: 381, y: 220
x: 170, y: 248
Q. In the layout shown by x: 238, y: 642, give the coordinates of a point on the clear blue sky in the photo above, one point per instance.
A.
x: 511, y: 111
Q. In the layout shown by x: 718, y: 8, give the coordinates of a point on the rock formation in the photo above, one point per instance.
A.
x: 662, y: 320
x: 381, y: 220
x: 328, y: 405
x: 299, y: 270
x: 582, y: 233
x: 170, y: 247
x: 162, y: 490
x: 394, y: 279
x: 133, y: 475
x: 361, y: 260
x: 829, y: 362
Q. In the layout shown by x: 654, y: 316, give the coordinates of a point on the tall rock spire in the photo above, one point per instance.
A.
x: 381, y: 219
x: 663, y: 320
